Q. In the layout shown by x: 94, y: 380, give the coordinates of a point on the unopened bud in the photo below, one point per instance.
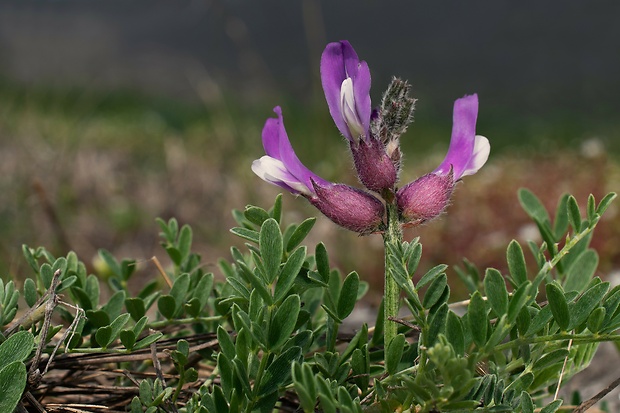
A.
x: 396, y: 111
x: 425, y: 198
x: 374, y: 167
x: 349, y: 207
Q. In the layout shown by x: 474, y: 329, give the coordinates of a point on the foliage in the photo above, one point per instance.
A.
x: 13, y: 375
x: 267, y: 337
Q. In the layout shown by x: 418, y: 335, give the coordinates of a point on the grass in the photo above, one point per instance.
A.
x: 105, y: 165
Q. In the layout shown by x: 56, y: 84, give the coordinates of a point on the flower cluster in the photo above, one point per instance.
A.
x: 373, y: 137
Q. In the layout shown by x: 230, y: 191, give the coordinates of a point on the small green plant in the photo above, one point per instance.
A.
x: 13, y: 352
x: 267, y: 337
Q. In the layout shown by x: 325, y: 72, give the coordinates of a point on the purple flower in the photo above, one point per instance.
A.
x: 348, y: 207
x: 346, y: 83
x: 468, y: 152
x: 428, y: 196
x: 281, y: 166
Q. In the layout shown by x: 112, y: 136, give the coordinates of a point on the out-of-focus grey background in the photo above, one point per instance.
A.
x: 527, y: 58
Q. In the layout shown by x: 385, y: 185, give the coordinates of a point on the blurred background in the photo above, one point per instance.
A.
x: 114, y: 113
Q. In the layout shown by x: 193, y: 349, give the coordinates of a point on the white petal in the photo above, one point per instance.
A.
x: 274, y: 171
x: 479, y: 157
x: 348, y: 109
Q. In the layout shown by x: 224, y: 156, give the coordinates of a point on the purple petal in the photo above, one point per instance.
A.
x: 361, y: 89
x: 463, y: 138
x: 275, y: 139
x: 338, y: 62
x: 332, y: 75
x: 272, y: 130
x: 350, y: 59
x: 278, y: 146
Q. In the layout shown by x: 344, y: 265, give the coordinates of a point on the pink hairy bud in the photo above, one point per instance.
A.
x: 375, y: 168
x: 425, y: 198
x: 349, y: 207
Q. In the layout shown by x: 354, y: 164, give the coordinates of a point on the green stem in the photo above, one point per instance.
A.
x: 332, y: 334
x: 393, y: 235
x: 577, y: 339
x: 553, y: 262
x: 179, y: 384
x: 259, y: 375
x: 181, y: 321
x: 96, y: 350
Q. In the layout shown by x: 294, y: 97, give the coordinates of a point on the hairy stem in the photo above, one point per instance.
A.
x: 392, y: 236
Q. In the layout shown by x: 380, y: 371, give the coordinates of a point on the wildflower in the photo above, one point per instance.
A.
x: 346, y: 83
x: 281, y: 166
x: 468, y: 152
x: 348, y: 207
x: 428, y: 196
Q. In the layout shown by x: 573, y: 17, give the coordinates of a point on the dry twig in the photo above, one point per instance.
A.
x: 583, y: 407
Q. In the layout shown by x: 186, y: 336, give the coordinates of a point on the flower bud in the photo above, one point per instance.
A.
x: 349, y: 207
x: 374, y: 167
x: 425, y: 198
x: 395, y: 112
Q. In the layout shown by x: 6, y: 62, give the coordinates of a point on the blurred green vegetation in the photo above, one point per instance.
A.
x: 86, y: 169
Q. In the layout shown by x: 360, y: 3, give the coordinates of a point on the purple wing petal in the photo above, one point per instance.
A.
x: 339, y: 62
x: 359, y: 73
x: 463, y: 137
x: 361, y: 90
x: 333, y: 73
x: 350, y: 60
x: 273, y: 129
